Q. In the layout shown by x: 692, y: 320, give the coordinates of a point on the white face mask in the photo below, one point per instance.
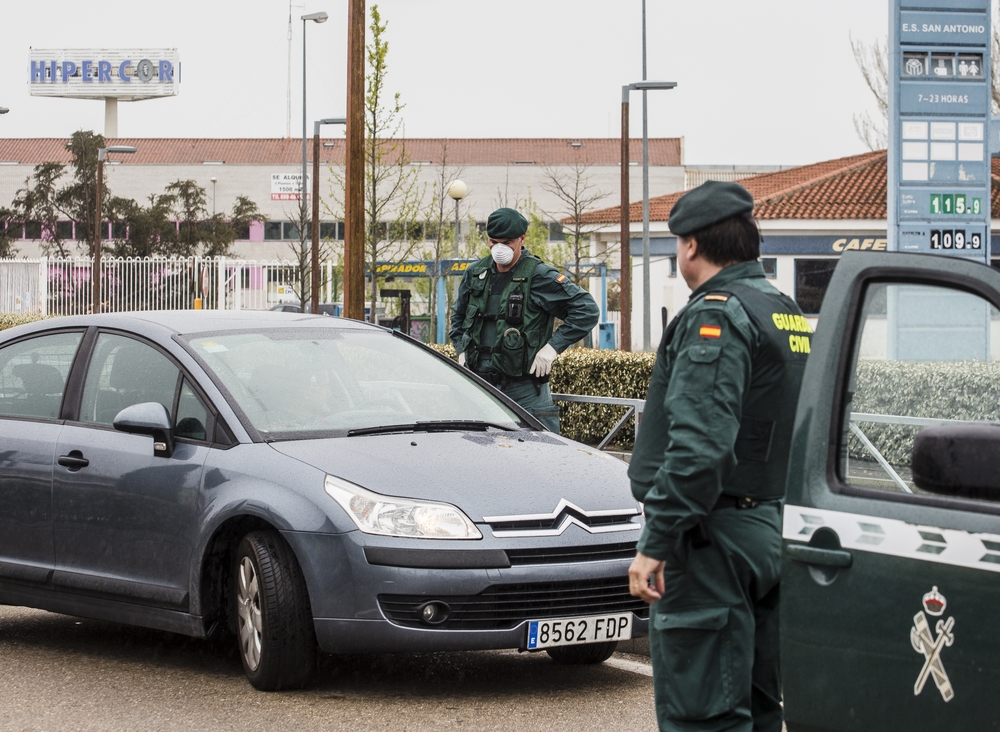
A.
x: 502, y: 254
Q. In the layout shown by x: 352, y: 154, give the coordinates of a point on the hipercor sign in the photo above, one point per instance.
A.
x: 125, y: 74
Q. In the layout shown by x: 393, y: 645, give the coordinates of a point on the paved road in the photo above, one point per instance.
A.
x: 64, y: 673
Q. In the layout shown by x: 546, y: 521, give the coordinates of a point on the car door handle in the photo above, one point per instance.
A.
x: 839, y: 558
x: 74, y: 461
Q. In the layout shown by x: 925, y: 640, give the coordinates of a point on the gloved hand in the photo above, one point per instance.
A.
x: 461, y: 359
x: 542, y: 364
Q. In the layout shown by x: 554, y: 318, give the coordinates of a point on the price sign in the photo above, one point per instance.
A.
x: 940, y: 61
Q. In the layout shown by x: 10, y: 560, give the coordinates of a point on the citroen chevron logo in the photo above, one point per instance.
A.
x: 565, y: 515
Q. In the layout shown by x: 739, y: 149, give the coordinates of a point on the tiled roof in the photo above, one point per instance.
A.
x: 512, y: 151
x: 847, y: 188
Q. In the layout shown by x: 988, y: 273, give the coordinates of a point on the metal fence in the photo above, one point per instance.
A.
x: 46, y: 286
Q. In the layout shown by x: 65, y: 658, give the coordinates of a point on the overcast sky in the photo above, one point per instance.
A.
x: 759, y: 81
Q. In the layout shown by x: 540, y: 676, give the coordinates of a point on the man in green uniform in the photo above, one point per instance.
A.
x: 709, y: 466
x: 502, y: 321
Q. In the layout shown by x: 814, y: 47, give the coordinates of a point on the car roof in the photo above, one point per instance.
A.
x: 194, y: 321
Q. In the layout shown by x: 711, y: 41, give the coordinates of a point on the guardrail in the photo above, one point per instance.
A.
x: 635, y: 406
x: 890, y: 419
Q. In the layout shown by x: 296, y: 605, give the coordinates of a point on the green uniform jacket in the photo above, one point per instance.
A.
x: 686, y: 452
x: 551, y: 292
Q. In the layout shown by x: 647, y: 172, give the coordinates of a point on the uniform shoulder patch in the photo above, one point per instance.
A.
x: 561, y: 278
x: 710, y: 331
x: 718, y: 296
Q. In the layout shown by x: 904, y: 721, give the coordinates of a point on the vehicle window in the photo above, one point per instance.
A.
x: 922, y: 355
x: 326, y: 380
x: 33, y: 375
x: 123, y: 372
x: 192, y: 415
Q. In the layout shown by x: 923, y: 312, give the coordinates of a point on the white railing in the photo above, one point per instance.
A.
x: 63, y: 286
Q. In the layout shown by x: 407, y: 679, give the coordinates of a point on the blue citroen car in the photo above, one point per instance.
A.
x: 302, y: 483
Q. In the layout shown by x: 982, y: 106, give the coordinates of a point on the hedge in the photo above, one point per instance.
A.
x: 588, y: 371
x: 967, y: 390
x: 10, y: 320
x: 935, y: 389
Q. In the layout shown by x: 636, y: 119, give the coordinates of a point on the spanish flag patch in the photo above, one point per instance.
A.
x: 561, y: 278
x: 710, y: 331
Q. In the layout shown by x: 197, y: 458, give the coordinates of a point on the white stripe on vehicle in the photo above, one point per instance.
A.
x: 896, y: 538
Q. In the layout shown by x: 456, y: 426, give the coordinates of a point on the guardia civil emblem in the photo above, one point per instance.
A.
x: 931, y: 644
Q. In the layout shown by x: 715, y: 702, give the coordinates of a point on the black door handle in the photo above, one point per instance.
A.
x: 839, y: 558
x: 74, y: 461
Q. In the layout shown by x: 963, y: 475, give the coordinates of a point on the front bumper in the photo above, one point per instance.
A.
x: 350, y: 595
x: 376, y: 636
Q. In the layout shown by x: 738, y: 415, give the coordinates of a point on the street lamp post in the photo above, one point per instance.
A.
x: 626, y: 257
x: 457, y: 191
x: 314, y: 228
x: 95, y: 275
x: 319, y: 17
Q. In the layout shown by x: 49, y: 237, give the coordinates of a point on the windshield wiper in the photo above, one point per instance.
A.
x: 440, y: 425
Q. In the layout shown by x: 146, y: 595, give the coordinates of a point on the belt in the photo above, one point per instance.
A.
x: 498, y: 379
x: 740, y: 502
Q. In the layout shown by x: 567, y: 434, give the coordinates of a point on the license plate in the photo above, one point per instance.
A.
x: 577, y: 631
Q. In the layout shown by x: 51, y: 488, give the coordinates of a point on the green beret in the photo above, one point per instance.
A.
x: 709, y: 203
x: 506, y: 223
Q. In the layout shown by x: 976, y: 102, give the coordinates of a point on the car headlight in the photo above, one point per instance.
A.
x: 406, y: 517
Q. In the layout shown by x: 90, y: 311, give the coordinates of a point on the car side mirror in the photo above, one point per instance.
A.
x: 148, y: 418
x: 960, y: 459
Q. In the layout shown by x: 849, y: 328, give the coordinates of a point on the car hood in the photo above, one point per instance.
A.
x: 483, y: 473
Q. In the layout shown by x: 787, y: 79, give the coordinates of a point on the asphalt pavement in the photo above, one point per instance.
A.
x: 65, y: 673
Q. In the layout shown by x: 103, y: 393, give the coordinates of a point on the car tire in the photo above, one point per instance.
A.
x: 589, y: 653
x: 273, y: 619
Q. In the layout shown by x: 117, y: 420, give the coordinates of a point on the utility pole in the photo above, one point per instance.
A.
x: 354, y: 203
x: 625, y: 278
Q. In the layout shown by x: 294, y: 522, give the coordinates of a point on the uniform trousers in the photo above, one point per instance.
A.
x: 714, y: 635
x: 537, y: 400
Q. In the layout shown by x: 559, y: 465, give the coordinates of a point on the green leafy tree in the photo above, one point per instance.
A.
x: 144, y: 231
x: 199, y: 233
x: 392, y: 195
x: 7, y: 248
x: 76, y: 199
x: 41, y: 200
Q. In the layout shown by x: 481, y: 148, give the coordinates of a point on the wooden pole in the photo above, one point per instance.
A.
x: 354, y: 205
x: 95, y: 275
x: 314, y: 294
x: 625, y: 281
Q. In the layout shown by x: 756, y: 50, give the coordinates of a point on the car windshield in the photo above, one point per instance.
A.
x: 297, y: 382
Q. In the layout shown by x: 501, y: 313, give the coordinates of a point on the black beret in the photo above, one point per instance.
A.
x: 711, y: 202
x: 506, y: 223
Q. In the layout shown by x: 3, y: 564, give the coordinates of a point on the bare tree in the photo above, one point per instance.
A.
x: 576, y: 195
x: 393, y: 195
x: 439, y: 232
x: 872, y: 60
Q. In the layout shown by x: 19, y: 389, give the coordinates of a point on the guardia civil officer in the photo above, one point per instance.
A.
x: 709, y: 466
x: 502, y: 321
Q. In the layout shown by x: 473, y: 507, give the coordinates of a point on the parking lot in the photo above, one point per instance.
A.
x: 65, y: 673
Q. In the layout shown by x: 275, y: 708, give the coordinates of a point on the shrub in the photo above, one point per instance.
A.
x: 10, y: 320
x: 935, y: 389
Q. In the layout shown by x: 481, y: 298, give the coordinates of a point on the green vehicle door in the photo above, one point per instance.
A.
x: 890, y: 597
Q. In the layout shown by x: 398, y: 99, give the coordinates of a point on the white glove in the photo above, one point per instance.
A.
x: 542, y: 364
x: 461, y: 359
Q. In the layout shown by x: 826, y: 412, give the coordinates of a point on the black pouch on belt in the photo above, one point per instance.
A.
x: 700, y: 538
